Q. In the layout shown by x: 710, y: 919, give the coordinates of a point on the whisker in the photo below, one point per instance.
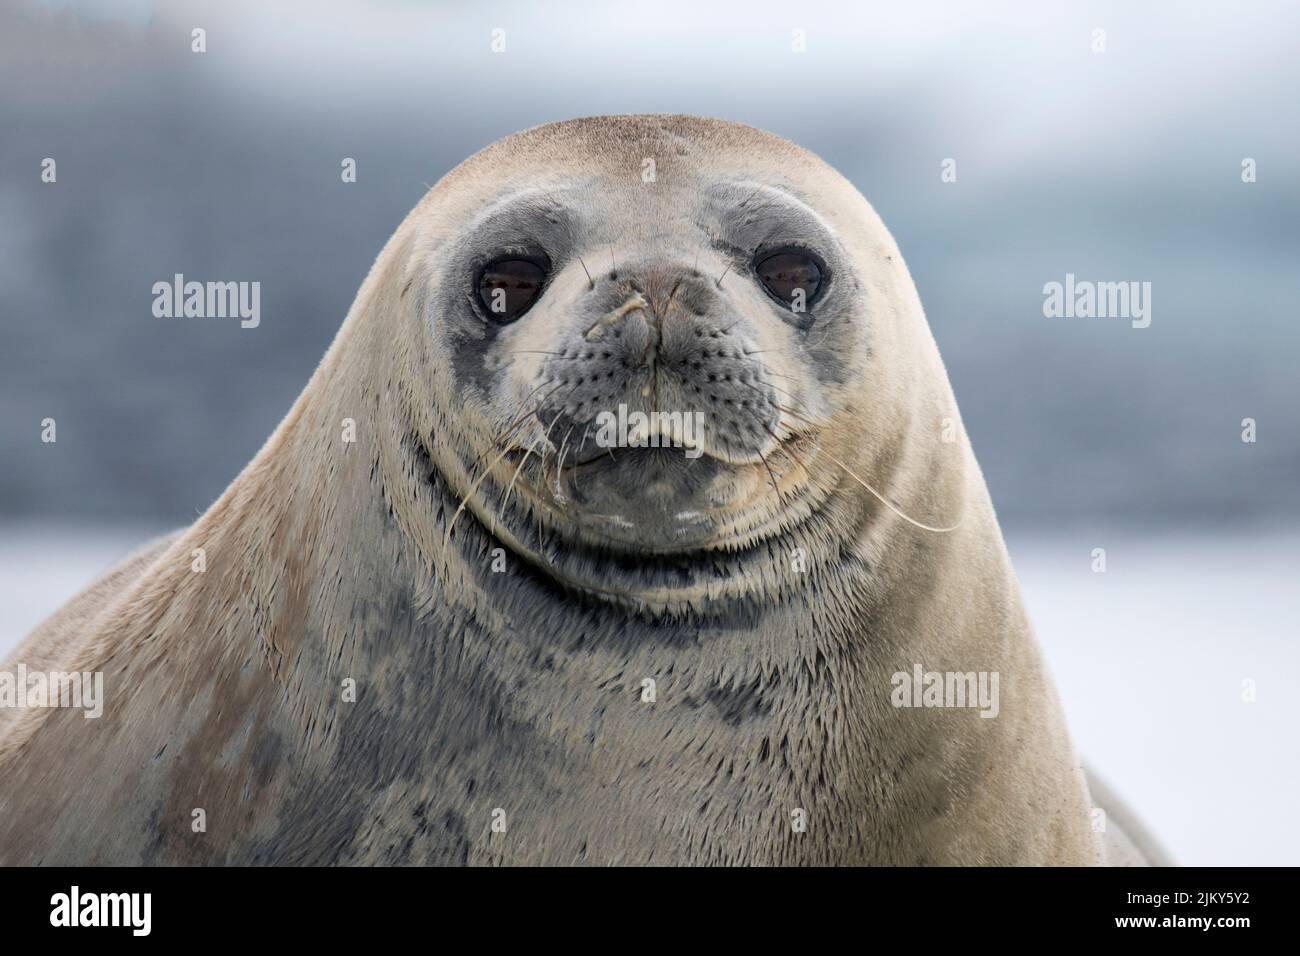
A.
x: 848, y: 471
x: 718, y: 281
x: 775, y: 487
x: 560, y: 464
x: 794, y: 414
x: 582, y: 444
x: 545, y: 440
x: 500, y: 511
x: 512, y: 429
x: 465, y: 499
x: 889, y: 504
x: 772, y: 386
x: 506, y: 437
x: 778, y: 406
x: 590, y: 282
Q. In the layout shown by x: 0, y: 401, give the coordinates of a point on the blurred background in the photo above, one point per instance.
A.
x: 1117, y: 165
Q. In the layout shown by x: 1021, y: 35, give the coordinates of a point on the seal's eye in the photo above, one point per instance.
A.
x: 793, y: 278
x: 508, y: 287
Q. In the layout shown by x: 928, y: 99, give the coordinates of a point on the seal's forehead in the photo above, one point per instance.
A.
x: 637, y: 172
x: 675, y: 135
x: 674, y: 150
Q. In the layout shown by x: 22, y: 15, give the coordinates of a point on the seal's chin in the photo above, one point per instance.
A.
x: 655, y: 498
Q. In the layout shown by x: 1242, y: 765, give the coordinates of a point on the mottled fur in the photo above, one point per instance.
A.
x: 522, y: 690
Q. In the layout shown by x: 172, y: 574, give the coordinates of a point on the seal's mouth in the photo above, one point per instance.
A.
x: 660, y: 500
x: 649, y: 557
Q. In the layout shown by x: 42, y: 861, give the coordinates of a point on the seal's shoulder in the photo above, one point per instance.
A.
x: 60, y: 633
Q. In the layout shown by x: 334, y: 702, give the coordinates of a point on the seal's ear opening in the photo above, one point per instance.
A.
x: 508, y: 286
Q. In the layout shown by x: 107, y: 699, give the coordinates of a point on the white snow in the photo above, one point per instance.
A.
x: 1150, y: 659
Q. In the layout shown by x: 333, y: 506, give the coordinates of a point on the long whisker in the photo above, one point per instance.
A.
x: 527, y: 414
x: 509, y: 433
x: 848, y: 471
x: 506, y: 437
x: 523, y: 416
x: 889, y: 504
x: 775, y: 487
x: 582, y: 444
x: 500, y: 512
x: 545, y: 440
x: 465, y: 499
x: 559, y: 467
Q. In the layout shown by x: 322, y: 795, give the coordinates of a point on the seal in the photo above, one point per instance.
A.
x: 629, y: 496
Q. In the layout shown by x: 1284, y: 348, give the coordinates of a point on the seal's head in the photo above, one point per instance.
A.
x: 652, y: 334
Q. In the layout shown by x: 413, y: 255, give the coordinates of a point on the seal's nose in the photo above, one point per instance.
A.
x: 654, y: 303
x: 656, y: 337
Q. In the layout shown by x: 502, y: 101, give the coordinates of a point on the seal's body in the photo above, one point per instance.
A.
x: 440, y: 622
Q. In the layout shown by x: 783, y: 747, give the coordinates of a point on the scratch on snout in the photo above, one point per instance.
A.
x: 597, y: 331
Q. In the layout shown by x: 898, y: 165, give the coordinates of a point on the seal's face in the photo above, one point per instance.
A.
x: 656, y: 339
